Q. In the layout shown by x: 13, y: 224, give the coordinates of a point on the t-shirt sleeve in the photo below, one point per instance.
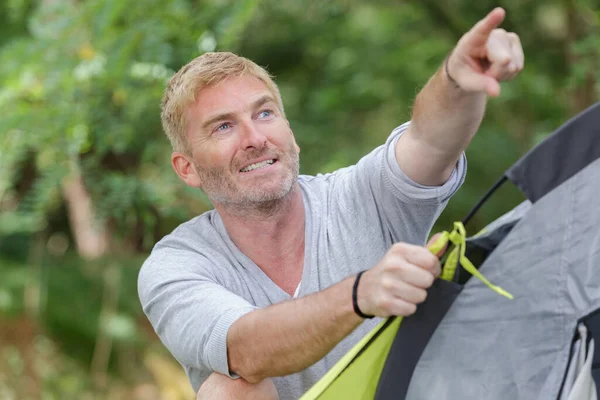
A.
x: 379, y: 198
x: 189, y: 310
x: 408, y: 190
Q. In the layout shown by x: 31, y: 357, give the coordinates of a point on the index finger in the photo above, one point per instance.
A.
x: 421, y: 257
x: 478, y: 35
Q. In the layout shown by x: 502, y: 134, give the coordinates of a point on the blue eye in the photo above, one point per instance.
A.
x: 265, y: 114
x: 223, y: 127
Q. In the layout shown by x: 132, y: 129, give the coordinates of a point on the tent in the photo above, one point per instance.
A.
x: 466, y: 341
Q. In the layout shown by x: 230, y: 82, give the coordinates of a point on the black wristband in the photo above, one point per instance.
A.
x: 354, y: 298
x: 450, y: 78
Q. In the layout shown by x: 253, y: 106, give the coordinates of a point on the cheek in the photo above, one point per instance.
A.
x: 213, y: 159
x: 281, y: 135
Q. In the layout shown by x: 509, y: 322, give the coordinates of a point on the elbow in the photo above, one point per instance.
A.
x: 252, y: 376
x: 250, y: 372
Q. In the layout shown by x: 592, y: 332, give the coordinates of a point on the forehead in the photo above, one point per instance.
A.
x: 231, y: 95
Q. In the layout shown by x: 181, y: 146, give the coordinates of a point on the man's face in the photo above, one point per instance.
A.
x: 243, y: 149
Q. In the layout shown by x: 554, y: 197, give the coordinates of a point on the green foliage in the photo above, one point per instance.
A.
x: 81, y: 91
x: 81, y: 96
x: 71, y: 302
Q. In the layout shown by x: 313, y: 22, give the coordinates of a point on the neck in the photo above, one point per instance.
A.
x: 272, y: 235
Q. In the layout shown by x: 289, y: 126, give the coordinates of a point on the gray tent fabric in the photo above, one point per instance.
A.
x: 481, y: 245
x: 579, y: 383
x: 489, y: 347
x: 496, y: 231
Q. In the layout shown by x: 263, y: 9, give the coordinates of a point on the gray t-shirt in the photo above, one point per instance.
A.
x: 196, y: 283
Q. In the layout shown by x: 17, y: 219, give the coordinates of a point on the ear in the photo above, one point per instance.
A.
x: 184, y: 168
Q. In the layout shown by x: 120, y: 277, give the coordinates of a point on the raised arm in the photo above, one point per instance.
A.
x: 449, y: 109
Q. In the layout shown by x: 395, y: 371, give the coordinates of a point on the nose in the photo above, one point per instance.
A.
x: 251, y: 136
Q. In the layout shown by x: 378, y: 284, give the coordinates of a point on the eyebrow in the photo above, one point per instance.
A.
x: 267, y: 98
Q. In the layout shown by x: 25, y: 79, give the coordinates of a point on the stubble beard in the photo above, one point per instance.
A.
x: 221, y: 189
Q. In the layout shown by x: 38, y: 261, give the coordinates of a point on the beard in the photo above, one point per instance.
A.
x: 221, y: 186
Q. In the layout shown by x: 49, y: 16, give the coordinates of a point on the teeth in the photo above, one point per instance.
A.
x: 261, y: 164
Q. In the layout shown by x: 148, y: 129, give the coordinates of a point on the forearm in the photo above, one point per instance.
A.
x: 288, y: 337
x: 444, y: 120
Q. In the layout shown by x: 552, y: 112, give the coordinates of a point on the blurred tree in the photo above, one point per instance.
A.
x: 83, y: 152
x: 82, y: 123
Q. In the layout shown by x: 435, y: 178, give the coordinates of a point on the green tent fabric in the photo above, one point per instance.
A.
x: 356, y: 375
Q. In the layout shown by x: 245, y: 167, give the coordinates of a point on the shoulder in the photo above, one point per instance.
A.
x: 189, y: 249
x: 194, y: 234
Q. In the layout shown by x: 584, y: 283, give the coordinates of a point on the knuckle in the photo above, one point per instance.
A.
x: 399, y: 247
x: 419, y: 252
x: 388, y: 265
x: 385, y: 304
x: 387, y: 285
x: 400, y: 267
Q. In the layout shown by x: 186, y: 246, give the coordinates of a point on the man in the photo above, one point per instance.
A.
x: 261, y: 296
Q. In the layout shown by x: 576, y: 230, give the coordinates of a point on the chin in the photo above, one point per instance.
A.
x: 261, y: 196
x: 248, y: 196
x: 270, y: 192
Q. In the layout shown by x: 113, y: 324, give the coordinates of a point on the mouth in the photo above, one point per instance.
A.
x: 258, y: 165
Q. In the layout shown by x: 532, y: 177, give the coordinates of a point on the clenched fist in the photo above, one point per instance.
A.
x: 398, y: 282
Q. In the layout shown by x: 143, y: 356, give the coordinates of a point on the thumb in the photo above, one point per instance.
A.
x: 432, y: 241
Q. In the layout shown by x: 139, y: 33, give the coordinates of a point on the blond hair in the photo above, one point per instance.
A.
x: 184, y: 86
